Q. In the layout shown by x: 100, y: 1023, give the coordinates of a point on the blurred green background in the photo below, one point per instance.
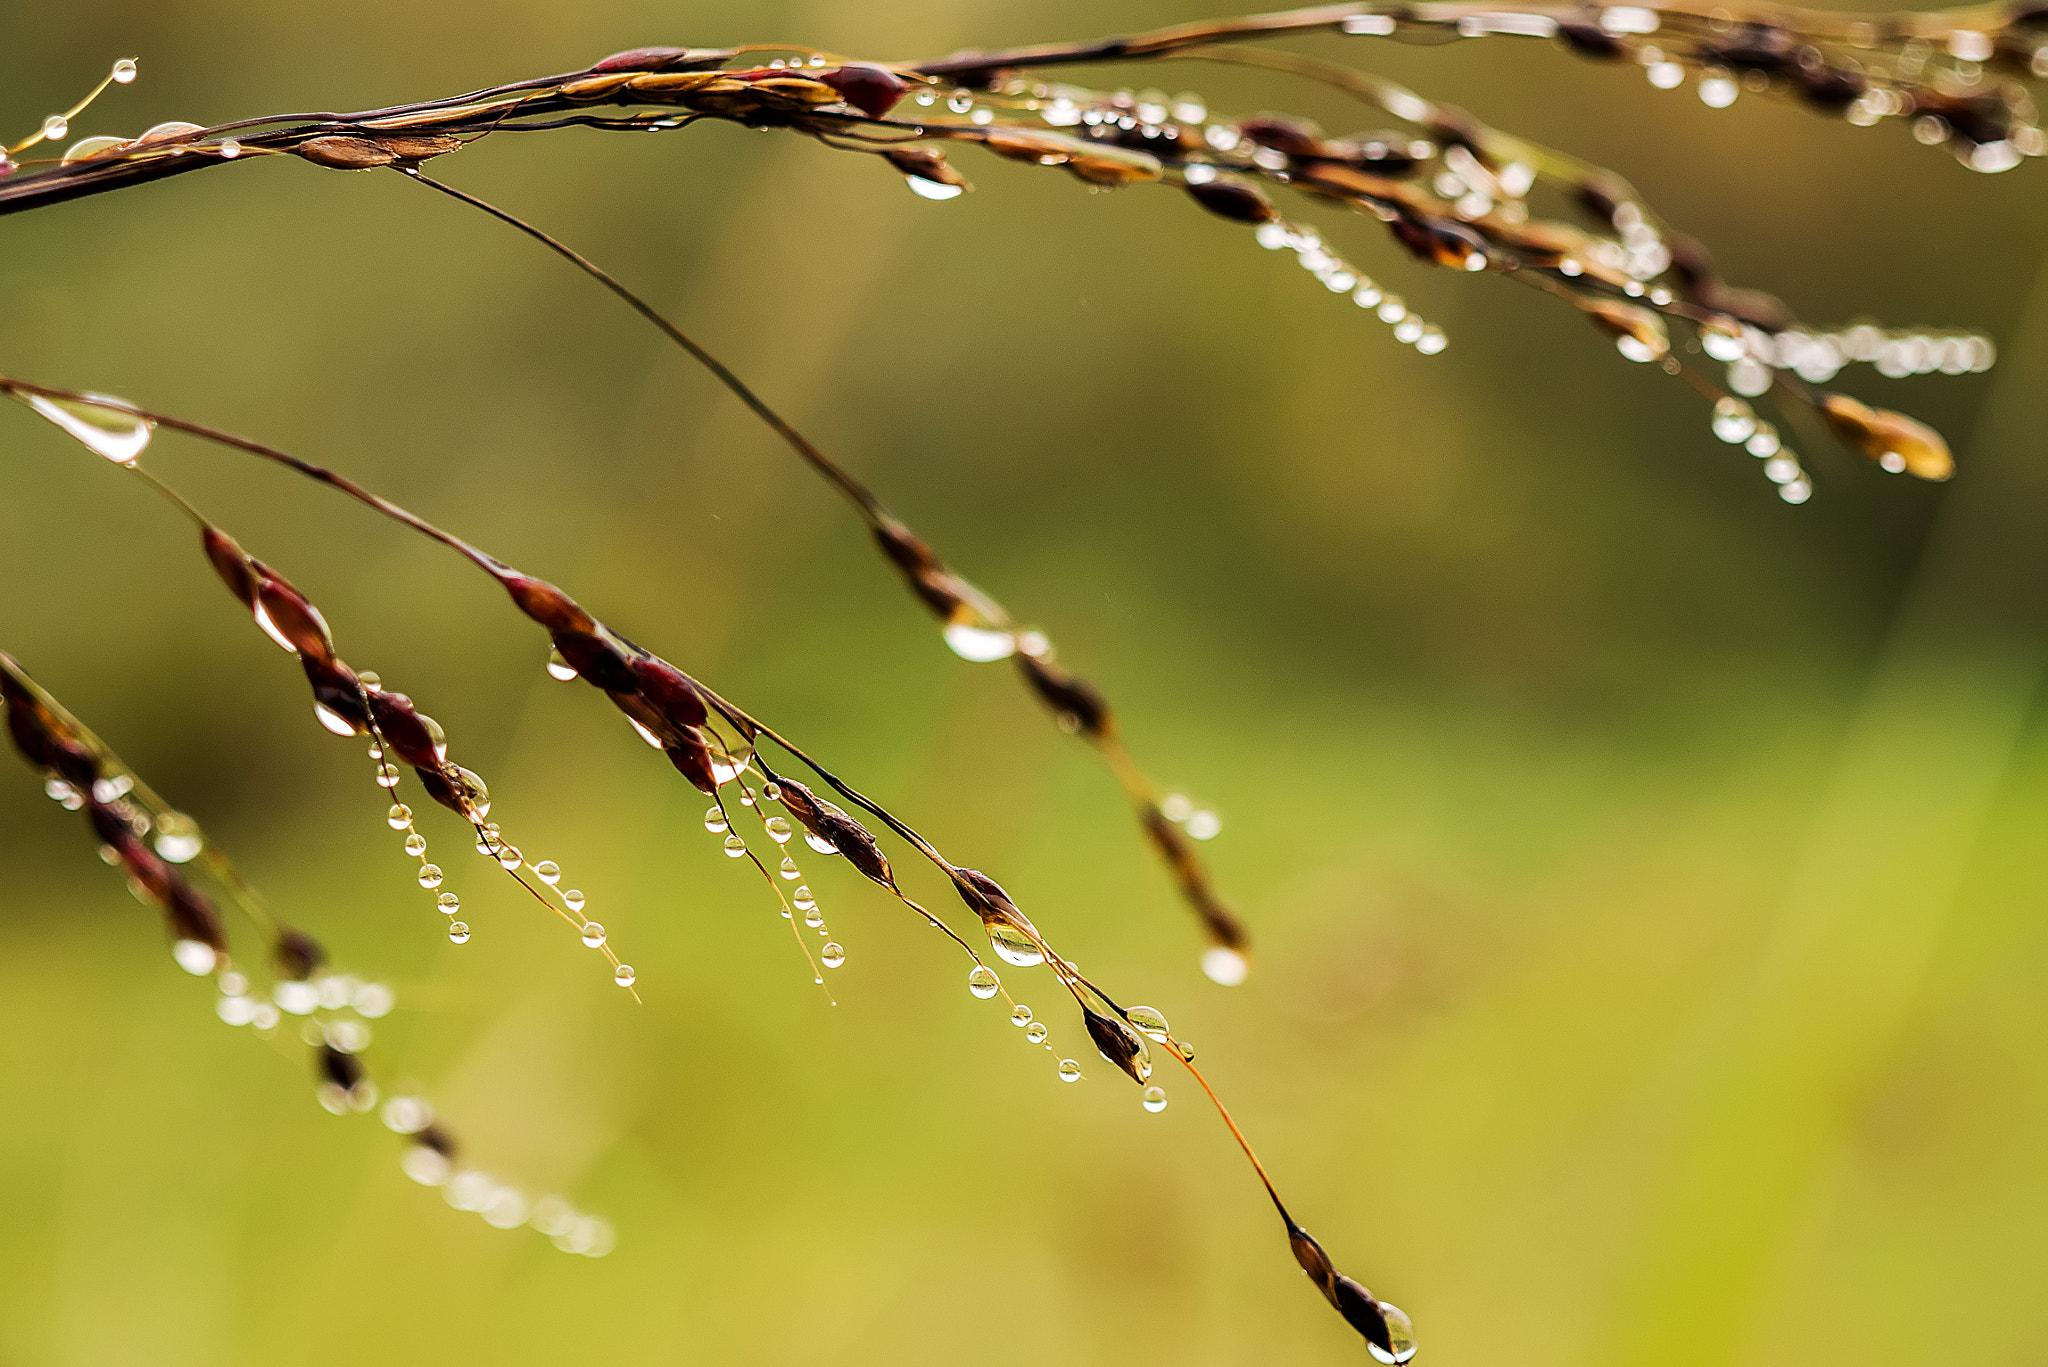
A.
x: 1647, y: 874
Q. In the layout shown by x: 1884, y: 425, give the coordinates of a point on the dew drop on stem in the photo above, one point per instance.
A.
x: 106, y: 430
x: 1070, y: 1071
x: 832, y: 955
x: 458, y: 932
x: 1155, y: 1099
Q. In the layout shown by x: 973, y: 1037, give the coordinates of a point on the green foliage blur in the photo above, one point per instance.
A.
x: 1647, y: 875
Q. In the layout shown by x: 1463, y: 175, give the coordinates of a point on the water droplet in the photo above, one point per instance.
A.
x: 56, y: 126
x: 230, y: 148
x: 593, y: 935
x: 746, y: 796
x: 108, y: 431
x: 778, y: 830
x: 458, y: 932
x: 1070, y: 1071
x: 1021, y: 1016
x: 1225, y: 966
x: 1717, y: 91
x: 509, y: 857
x: 623, y: 975
x: 387, y: 776
x: 1734, y: 420
x: 804, y: 899
x: 832, y: 955
x: 820, y: 844
x: 195, y: 957
x: 430, y: 876
x: 983, y: 982
x: 548, y: 871
x: 932, y: 189
x: 1036, y: 1032
x: 415, y: 844
x: 734, y: 847
x: 714, y: 821
x: 124, y: 70
x: 1204, y: 825
x: 177, y: 838
x: 85, y: 148
x: 1155, y: 1099
x: 1400, y: 1336
x: 1147, y: 1021
x: 399, y: 817
x: 815, y: 920
x: 727, y: 765
x: 980, y: 643
x: 487, y: 841
x: 1013, y: 946
x: 789, y: 870
x: 449, y: 903
x: 959, y: 102
x: 771, y: 792
x: 573, y: 900
x: 371, y: 681
x: 332, y: 720
x: 559, y: 666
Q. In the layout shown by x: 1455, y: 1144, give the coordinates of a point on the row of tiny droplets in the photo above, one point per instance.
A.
x: 336, y: 1008
x: 1718, y: 87
x: 982, y: 981
x: 59, y: 125
x: 490, y: 843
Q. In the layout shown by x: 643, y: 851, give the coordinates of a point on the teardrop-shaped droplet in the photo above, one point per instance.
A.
x: 1149, y: 1022
x: 727, y: 765
x: 820, y: 844
x: 333, y: 720
x: 1013, y: 946
x: 980, y: 644
x: 548, y: 871
x: 932, y: 189
x: 1155, y: 1099
x: 832, y: 955
x: 983, y: 982
x: 593, y: 935
x: 1400, y: 1336
x: 735, y: 847
x: 789, y: 870
x: 714, y: 821
x: 804, y: 899
x: 1225, y: 966
x: 778, y: 830
x: 109, y: 431
x: 458, y: 932
x: 559, y: 666
x: 815, y: 919
x: 474, y: 793
x: 1070, y: 1071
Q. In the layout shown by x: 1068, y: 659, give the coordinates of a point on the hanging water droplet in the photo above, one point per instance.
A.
x: 593, y: 935
x: 56, y: 126
x: 789, y: 870
x: 177, y: 838
x: 932, y: 189
x: 1155, y: 1099
x: 399, y: 817
x: 573, y: 900
x: 108, y: 431
x: 475, y: 794
x: 1036, y: 1032
x: 1187, y: 1051
x: 1734, y: 420
x: 1021, y: 1016
x: 815, y: 919
x: 436, y: 737
x: 832, y: 955
x: 333, y: 720
x: 1070, y: 1071
x: 1204, y: 825
x: 195, y: 957
x: 1400, y: 1336
x: 983, y: 982
x: 430, y: 876
x: 449, y: 903
x: 458, y: 932
x: 714, y: 821
x: 980, y: 643
x: 804, y: 899
x: 735, y: 847
x: 1225, y: 966
x: 415, y: 844
x: 772, y: 792
x: 1147, y: 1021
x: 778, y: 830
x: 1013, y: 946
x: 124, y: 70
x: 387, y: 775
x: 230, y: 148
x: 820, y: 844
x: 548, y: 871
x: 559, y: 666
x: 509, y: 857
x: 623, y: 975
x: 746, y: 796
x: 727, y: 765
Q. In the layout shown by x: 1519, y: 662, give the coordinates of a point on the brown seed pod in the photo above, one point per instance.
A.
x: 297, y: 955
x: 926, y: 163
x: 1234, y: 199
x: 1073, y: 700
x: 873, y: 90
x: 1880, y: 433
x: 1118, y: 1043
x: 833, y: 826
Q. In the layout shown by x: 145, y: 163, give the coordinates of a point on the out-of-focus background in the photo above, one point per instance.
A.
x: 1648, y: 875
